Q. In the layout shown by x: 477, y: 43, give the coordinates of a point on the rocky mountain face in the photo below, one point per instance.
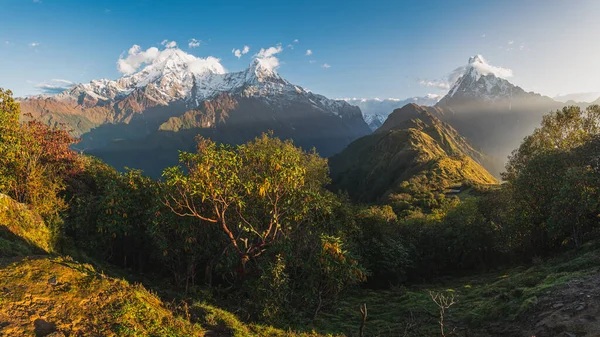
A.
x: 376, y: 110
x: 491, y: 112
x: 413, y: 146
x: 141, y: 120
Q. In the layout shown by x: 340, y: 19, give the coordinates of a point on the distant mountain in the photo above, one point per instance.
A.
x: 141, y: 120
x: 412, y: 147
x: 494, y: 114
x: 582, y: 97
x: 376, y: 110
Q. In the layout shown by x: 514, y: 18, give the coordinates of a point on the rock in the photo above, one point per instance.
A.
x: 557, y: 305
x: 52, y: 280
x: 568, y: 334
x: 43, y: 328
x: 580, y: 307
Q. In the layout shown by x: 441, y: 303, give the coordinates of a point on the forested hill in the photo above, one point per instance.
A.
x: 412, y: 150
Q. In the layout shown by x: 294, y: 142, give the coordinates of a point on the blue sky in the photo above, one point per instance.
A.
x: 374, y: 48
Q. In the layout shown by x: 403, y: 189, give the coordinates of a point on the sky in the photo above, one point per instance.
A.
x: 346, y: 48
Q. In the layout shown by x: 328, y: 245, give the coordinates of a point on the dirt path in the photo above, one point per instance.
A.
x: 572, y: 310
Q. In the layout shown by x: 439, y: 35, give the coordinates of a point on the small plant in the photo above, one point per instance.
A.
x: 444, y: 302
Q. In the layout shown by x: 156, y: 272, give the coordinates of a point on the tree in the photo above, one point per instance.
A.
x: 34, y: 159
x: 560, y: 130
x: 256, y: 193
x: 9, y: 136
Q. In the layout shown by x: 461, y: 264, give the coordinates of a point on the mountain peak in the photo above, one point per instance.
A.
x: 476, y: 59
x: 262, y: 70
x: 481, y: 82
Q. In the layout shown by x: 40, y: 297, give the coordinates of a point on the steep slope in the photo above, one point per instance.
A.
x: 49, y: 295
x: 411, y: 146
x: 491, y: 112
x: 159, y: 109
x: 376, y: 110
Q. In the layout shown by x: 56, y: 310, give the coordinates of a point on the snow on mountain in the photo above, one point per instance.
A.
x: 482, y: 80
x: 175, y: 75
x: 375, y: 111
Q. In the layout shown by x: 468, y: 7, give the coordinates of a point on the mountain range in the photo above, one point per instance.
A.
x: 375, y: 111
x: 141, y: 120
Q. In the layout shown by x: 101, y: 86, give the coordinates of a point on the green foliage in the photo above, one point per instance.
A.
x: 381, y: 245
x: 552, y: 179
x: 267, y: 198
x: 409, y: 164
x: 34, y: 162
x: 560, y: 130
x: 22, y: 232
x: 110, y: 212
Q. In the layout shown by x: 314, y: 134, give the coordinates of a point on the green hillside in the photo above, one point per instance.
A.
x: 412, y: 147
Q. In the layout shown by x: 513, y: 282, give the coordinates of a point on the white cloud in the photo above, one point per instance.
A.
x: 6, y: 42
x: 484, y: 68
x: 522, y: 46
x: 239, y: 52
x: 267, y: 58
x: 169, y: 44
x: 194, y: 43
x: 296, y: 41
x: 269, y: 52
x: 54, y: 86
x: 511, y: 42
x: 312, y: 61
x: 443, y: 85
x: 34, y: 44
x: 325, y: 65
x: 136, y: 58
x: 308, y: 52
x: 482, y: 35
x: 477, y: 62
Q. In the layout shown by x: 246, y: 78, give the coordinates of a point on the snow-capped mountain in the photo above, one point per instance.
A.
x: 482, y: 86
x: 176, y: 75
x: 375, y: 111
x: 177, y: 96
x: 494, y: 114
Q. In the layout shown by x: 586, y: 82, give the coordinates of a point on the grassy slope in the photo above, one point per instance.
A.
x: 503, y: 303
x: 42, y: 293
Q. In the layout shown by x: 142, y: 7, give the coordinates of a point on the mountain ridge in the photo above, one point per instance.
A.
x: 412, y: 147
x: 178, y: 92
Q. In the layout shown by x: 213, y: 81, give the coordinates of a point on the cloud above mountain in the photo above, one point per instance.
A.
x: 169, y: 44
x: 239, y: 52
x: 268, y: 56
x: 54, y: 86
x: 194, y: 43
x: 136, y: 57
x: 484, y: 68
x: 442, y: 85
x: 478, y: 63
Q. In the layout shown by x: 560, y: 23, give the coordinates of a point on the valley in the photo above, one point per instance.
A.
x: 299, y: 169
